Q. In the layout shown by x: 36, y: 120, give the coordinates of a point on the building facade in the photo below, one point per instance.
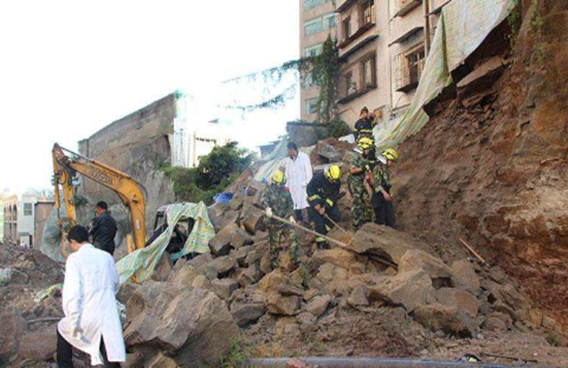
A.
x: 318, y: 20
x: 382, y: 50
x: 24, y: 218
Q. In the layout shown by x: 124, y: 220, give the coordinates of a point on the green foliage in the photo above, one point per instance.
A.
x: 553, y: 339
x: 235, y: 358
x: 536, y: 29
x: 215, y: 172
x: 514, y: 20
x: 338, y: 128
x: 325, y: 73
x: 80, y: 201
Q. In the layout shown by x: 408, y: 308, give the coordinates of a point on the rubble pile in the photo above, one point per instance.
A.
x: 391, y: 288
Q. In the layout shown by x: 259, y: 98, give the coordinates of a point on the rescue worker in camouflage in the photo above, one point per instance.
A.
x: 365, y: 125
x: 360, y: 183
x: 323, y: 194
x: 382, y: 200
x: 278, y: 201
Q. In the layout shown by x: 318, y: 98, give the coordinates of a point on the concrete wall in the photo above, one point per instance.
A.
x: 138, y: 144
x: 42, y: 213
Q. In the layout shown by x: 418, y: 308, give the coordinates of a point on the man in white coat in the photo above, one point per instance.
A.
x: 298, y: 173
x: 92, y: 322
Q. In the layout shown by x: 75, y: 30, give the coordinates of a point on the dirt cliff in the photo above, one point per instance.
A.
x: 490, y: 166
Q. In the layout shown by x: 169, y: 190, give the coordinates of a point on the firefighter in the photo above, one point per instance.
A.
x: 323, y: 194
x: 382, y: 200
x: 278, y: 201
x: 360, y: 183
x: 365, y: 125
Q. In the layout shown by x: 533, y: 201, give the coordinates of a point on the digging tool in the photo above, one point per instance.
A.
x: 473, y: 252
x: 335, y: 224
x: 331, y: 240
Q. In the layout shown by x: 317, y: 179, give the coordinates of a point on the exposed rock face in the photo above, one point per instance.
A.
x: 192, y: 325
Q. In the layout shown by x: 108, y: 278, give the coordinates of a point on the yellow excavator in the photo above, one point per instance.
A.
x: 65, y: 170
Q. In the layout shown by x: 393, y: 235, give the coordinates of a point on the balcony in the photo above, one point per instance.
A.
x: 408, y: 69
x: 406, y: 6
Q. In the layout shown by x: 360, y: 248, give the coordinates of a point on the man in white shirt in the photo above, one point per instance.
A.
x: 92, y: 322
x: 298, y: 173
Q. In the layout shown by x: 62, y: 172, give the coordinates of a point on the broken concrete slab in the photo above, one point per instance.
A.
x: 220, y: 244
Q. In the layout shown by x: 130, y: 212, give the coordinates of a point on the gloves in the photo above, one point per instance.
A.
x: 269, y: 212
x: 292, y: 219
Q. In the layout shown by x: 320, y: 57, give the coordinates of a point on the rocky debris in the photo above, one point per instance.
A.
x: 460, y: 299
x: 410, y: 289
x: 193, y: 326
x: 224, y: 288
x: 220, y: 244
x: 251, y: 218
x: 497, y: 322
x: 224, y: 265
x: 318, y: 305
x: 328, y: 152
x: 415, y: 259
x: 163, y: 268
x: 336, y: 256
x: 38, y: 346
x: 241, y: 238
x: 245, y: 314
x: 184, y: 276
x: 464, y: 277
x: 358, y: 297
x: 11, y: 330
x: 248, y: 276
x: 383, y: 242
x: 444, y: 318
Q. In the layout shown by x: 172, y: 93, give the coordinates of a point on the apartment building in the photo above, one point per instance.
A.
x: 382, y: 50
x: 318, y: 21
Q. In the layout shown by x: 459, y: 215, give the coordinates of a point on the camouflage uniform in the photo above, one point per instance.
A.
x: 384, y: 211
x: 364, y: 128
x: 279, y: 199
x: 361, y: 211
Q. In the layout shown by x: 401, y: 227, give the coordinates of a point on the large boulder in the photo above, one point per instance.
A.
x: 247, y: 276
x: 336, y: 256
x: 11, y: 330
x: 328, y: 152
x: 241, y: 238
x: 415, y: 259
x: 460, y: 299
x: 382, y: 242
x: 224, y: 288
x: 184, y: 277
x: 224, y: 265
x: 285, y: 305
x: 464, y: 277
x: 252, y: 218
x: 278, y: 282
x: 220, y: 244
x: 38, y: 346
x: 438, y: 317
x: 192, y: 326
x: 216, y: 213
x: 410, y: 289
x: 245, y: 314
x: 318, y: 305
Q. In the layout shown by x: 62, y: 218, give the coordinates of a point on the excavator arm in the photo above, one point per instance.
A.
x: 129, y: 190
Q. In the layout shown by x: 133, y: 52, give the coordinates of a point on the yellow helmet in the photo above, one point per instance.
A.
x: 391, y: 154
x: 278, y: 177
x: 333, y: 173
x: 365, y: 143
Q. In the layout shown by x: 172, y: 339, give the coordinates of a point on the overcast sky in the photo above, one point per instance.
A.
x: 68, y: 68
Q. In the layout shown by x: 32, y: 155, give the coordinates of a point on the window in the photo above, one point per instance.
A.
x: 346, y: 26
x: 329, y: 21
x: 350, y: 87
x: 409, y: 66
x: 313, y: 26
x: 308, y: 81
x: 312, y: 106
x: 312, y: 51
x: 367, y: 12
x: 28, y: 209
x: 368, y: 75
x: 309, y: 4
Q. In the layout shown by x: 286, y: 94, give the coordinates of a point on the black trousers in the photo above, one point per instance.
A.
x: 384, y: 211
x: 322, y: 224
x: 65, y: 354
x: 299, y: 215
